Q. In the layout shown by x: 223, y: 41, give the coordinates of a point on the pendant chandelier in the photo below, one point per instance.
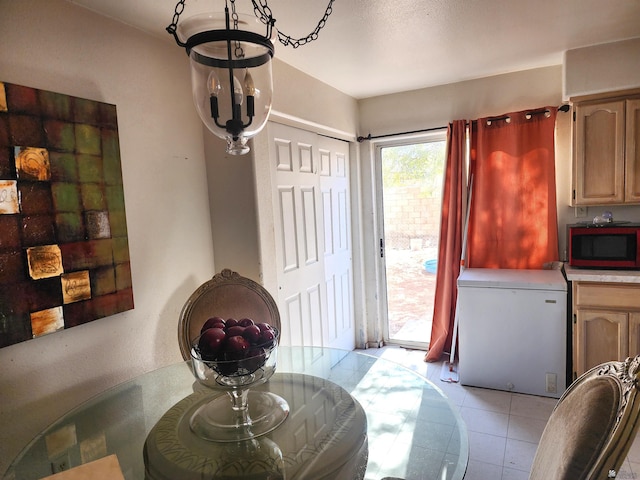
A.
x: 230, y: 56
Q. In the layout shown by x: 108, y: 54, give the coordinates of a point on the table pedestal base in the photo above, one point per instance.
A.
x: 324, y: 437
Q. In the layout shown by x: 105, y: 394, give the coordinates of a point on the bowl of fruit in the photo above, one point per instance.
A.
x: 234, y: 353
x: 232, y: 356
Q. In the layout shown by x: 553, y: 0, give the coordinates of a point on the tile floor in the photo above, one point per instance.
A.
x: 504, y: 428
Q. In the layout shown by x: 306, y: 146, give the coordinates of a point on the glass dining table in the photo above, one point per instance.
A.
x: 352, y: 416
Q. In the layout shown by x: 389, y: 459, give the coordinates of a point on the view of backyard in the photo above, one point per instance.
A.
x: 412, y: 178
x: 410, y: 288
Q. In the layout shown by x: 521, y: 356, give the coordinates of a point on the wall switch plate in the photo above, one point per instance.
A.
x: 551, y: 383
x: 580, y: 212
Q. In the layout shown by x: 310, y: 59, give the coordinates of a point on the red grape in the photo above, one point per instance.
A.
x: 252, y: 334
x: 210, y: 342
x: 213, y: 322
x: 237, y: 344
x: 267, y: 337
x: 235, y: 331
x: 231, y: 322
x: 256, y: 357
x: 246, y: 322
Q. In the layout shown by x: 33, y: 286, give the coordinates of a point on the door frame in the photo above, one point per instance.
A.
x: 380, y: 270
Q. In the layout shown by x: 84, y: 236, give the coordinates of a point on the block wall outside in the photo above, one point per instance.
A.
x: 411, y: 218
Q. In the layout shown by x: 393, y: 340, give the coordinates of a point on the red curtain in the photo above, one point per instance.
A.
x: 450, y: 248
x: 513, y: 220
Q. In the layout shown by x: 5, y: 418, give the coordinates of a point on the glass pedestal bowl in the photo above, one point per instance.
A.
x: 240, y: 414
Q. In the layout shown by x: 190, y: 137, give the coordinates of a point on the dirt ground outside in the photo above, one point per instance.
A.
x: 410, y: 292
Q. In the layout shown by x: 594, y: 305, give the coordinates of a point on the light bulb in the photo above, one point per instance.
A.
x: 213, y: 84
x: 237, y: 91
x: 249, y: 86
x: 214, y: 87
x: 250, y: 89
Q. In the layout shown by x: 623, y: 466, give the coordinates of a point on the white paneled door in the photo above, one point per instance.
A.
x: 312, y: 237
x: 336, y: 216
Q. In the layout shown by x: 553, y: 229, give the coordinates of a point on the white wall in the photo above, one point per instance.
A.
x: 437, y: 106
x: 53, y: 45
x: 302, y: 101
x: 232, y: 205
x: 602, y: 68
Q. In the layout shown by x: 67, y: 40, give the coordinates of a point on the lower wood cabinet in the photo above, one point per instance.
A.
x: 606, y: 323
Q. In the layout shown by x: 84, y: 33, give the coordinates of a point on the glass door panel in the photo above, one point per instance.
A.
x: 411, y: 178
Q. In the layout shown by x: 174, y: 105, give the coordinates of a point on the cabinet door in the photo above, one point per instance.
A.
x: 601, y: 336
x: 599, y: 147
x: 632, y: 151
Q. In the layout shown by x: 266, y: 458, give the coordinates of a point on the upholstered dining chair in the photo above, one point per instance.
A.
x: 593, y: 425
x: 226, y: 295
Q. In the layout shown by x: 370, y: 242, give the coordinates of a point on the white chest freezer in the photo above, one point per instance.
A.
x: 512, y: 330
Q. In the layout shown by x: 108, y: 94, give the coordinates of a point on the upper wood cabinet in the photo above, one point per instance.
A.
x: 607, y: 151
x: 632, y: 150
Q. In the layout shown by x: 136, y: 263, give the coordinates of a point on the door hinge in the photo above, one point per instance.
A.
x: 574, y: 115
x: 573, y: 193
x: 575, y: 319
x: 381, y: 248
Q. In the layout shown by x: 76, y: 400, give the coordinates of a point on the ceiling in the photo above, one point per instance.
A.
x: 375, y: 47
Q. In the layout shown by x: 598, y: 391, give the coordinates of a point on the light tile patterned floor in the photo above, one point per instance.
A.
x: 504, y: 428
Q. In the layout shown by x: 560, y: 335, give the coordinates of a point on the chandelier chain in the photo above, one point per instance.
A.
x: 263, y: 12
x: 239, y: 51
x: 174, y: 22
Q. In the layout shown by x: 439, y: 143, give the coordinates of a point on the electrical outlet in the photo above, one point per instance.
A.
x: 60, y: 463
x: 57, y: 467
x: 580, y: 212
x: 551, y: 383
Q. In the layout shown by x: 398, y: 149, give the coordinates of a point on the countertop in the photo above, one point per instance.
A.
x: 589, y: 275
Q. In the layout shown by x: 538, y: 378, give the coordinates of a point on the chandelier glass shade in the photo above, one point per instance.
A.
x: 230, y: 59
x: 230, y: 74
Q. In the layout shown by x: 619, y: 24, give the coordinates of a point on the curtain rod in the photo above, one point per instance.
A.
x: 562, y: 108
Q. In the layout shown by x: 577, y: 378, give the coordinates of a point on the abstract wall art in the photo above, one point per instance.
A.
x: 64, y: 251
